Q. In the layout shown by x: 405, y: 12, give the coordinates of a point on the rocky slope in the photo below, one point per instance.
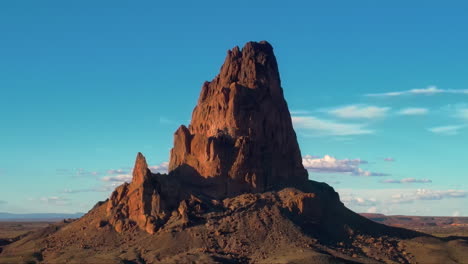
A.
x: 236, y: 192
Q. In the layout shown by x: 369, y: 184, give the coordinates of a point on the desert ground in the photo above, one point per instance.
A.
x: 451, y: 230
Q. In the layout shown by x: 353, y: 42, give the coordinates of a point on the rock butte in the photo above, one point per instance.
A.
x: 240, y: 137
x: 240, y: 140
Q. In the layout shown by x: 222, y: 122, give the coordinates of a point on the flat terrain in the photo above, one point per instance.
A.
x: 249, y: 233
x: 440, y: 226
x: 11, y: 230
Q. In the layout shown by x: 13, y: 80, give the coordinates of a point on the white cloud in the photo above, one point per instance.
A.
x: 351, y: 200
x: 329, y: 164
x: 427, y: 194
x: 456, y: 214
x: 413, y: 111
x: 389, y: 159
x: 404, y: 200
x: 118, y: 171
x: 360, y: 111
x: 118, y: 178
x: 446, y: 130
x: 361, y: 172
x: 300, y: 112
x: 431, y: 90
x: 321, y: 127
x: 160, y: 168
x: 408, y: 180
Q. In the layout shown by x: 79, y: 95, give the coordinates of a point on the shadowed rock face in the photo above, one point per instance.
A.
x: 150, y: 201
x: 138, y: 202
x: 240, y: 138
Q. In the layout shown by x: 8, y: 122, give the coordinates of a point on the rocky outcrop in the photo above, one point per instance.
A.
x: 240, y: 138
x: 151, y: 201
x: 137, y: 203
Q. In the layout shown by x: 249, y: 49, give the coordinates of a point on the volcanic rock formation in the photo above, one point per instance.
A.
x: 240, y: 138
x: 223, y: 200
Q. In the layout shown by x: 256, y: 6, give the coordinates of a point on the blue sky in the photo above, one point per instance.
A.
x: 377, y: 90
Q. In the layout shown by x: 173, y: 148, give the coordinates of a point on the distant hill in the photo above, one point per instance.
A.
x: 443, y: 226
x: 37, y: 217
x: 408, y: 221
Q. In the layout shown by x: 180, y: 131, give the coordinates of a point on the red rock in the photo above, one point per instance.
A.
x: 138, y: 201
x: 240, y: 138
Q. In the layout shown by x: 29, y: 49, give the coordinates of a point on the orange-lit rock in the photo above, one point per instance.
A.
x: 240, y: 137
x: 139, y: 202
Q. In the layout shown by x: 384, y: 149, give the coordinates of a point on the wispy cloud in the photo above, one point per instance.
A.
x: 389, y: 159
x: 55, y: 200
x: 446, y: 130
x: 358, y: 201
x: 300, y: 112
x: 167, y: 121
x: 322, y: 127
x: 118, y: 171
x: 427, y: 194
x: 431, y: 90
x: 329, y: 164
x: 359, y: 112
x: 408, y: 180
x: 399, y: 200
x: 85, y: 190
x: 79, y: 172
x: 3, y: 202
x: 413, y: 111
x: 463, y: 113
x: 118, y: 178
x: 160, y: 168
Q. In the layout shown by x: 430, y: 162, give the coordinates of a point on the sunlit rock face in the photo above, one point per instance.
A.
x: 240, y: 138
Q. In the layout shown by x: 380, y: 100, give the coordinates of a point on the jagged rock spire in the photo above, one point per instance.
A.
x: 138, y: 202
x: 140, y: 170
x: 240, y: 138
